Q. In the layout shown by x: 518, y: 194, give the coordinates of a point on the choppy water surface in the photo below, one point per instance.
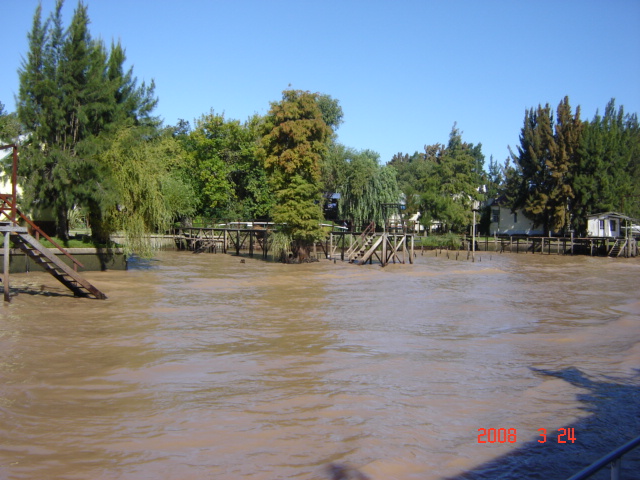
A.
x: 204, y: 367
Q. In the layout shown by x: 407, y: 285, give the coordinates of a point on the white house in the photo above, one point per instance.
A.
x: 506, y: 222
x: 606, y: 224
x: 5, y: 179
x: 6, y: 157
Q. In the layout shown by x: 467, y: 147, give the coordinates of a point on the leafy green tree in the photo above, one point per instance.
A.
x: 332, y: 113
x: 418, y: 182
x: 212, y: 150
x: 493, y: 181
x: 294, y: 143
x: 229, y: 175
x: 494, y: 178
x: 9, y: 126
x: 443, y: 181
x: 459, y: 172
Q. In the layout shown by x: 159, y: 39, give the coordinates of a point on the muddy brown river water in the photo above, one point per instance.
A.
x: 204, y: 367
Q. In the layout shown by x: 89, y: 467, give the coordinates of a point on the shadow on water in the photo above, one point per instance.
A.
x: 134, y: 262
x: 614, y: 406
x: 36, y: 290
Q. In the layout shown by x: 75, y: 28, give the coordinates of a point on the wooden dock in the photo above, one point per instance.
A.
x: 359, y: 248
x: 386, y: 247
x: 592, y: 246
x: 222, y: 239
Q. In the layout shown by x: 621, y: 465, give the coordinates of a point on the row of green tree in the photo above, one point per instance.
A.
x: 566, y: 169
x: 94, y: 146
x: 563, y: 170
x: 444, y: 183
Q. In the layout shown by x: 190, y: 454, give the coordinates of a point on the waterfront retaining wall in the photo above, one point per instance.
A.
x: 93, y: 259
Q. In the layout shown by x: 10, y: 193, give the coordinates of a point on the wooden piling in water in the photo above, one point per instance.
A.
x: 5, y: 278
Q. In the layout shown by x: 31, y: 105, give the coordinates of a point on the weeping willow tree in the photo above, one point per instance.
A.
x: 146, y: 195
x: 366, y: 186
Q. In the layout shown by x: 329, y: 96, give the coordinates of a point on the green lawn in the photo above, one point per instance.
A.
x: 448, y: 240
x: 78, y: 241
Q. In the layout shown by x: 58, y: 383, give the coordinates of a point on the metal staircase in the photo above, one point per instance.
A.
x: 53, y: 265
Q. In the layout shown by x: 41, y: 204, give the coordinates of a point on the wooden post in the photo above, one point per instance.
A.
x: 251, y: 243
x: 330, y: 244
x: 5, y: 278
x: 265, y: 243
x: 384, y: 248
x: 14, y: 185
x: 571, y: 242
x: 405, y: 248
x: 411, y: 254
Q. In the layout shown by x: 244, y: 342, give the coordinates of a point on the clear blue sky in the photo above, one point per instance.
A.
x: 403, y: 71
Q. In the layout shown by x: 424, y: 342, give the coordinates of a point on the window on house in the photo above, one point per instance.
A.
x: 495, y: 215
x: 515, y: 218
x: 613, y: 226
x: 601, y: 222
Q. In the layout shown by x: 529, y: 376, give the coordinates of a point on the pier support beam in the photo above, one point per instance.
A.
x: 5, y: 278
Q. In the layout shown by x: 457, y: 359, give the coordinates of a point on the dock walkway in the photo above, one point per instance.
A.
x: 593, y: 246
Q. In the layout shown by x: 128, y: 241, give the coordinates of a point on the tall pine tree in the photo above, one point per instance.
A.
x: 606, y: 176
x: 73, y: 95
x: 541, y: 183
x: 567, y: 170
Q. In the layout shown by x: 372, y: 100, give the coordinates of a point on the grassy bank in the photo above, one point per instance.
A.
x: 77, y: 241
x: 451, y: 241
